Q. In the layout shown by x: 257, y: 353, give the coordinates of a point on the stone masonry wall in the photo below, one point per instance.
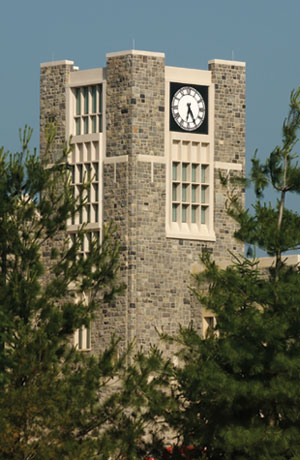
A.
x: 230, y: 111
x: 53, y: 80
x: 134, y: 121
x: 135, y: 105
x: 113, y: 318
x: 230, y: 126
x: 156, y: 269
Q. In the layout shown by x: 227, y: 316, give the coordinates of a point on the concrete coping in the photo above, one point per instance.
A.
x: 54, y: 63
x: 266, y: 262
x: 227, y: 62
x: 135, y: 53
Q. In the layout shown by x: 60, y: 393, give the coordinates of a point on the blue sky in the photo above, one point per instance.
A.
x: 263, y: 33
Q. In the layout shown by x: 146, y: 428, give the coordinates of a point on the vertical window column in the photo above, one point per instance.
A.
x: 88, y: 109
x: 190, y: 186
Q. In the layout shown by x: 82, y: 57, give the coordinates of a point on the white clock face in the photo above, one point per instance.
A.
x: 188, y: 108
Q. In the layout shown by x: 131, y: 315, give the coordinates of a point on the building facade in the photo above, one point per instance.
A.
x: 153, y: 139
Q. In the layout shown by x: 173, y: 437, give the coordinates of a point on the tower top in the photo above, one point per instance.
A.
x: 227, y: 62
x: 55, y: 63
x: 135, y: 53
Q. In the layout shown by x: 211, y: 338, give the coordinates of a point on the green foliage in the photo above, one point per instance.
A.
x: 274, y: 229
x: 57, y: 402
x: 237, y: 389
x: 261, y: 228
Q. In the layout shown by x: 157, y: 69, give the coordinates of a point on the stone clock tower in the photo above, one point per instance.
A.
x: 154, y: 139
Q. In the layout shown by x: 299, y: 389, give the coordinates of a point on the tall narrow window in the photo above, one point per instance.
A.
x: 100, y: 98
x: 96, y: 192
x: 208, y: 324
x: 96, y: 212
x: 184, y: 192
x: 94, y: 124
x: 78, y: 101
x: 86, y: 99
x: 184, y: 211
x: 203, y: 194
x: 96, y: 171
x: 80, y: 173
x: 174, y: 212
x: 174, y: 191
x: 194, y: 214
x: 82, y: 338
x: 184, y: 171
x: 78, y: 126
x: 94, y: 99
x: 86, y: 125
x: 194, y: 193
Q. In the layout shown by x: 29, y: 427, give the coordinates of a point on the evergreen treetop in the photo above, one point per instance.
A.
x: 238, y: 388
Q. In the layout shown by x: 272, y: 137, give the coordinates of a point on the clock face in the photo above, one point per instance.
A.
x: 189, y: 108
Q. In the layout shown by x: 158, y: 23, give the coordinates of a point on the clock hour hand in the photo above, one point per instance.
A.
x: 189, y: 112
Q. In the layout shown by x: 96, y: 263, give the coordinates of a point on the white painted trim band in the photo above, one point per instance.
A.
x: 232, y: 166
x: 119, y: 159
x: 150, y: 158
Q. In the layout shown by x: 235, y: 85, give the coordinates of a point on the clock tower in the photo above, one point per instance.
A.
x: 155, y: 139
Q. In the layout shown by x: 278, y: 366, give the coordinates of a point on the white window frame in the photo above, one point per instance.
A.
x: 208, y: 322
x: 191, y: 149
x: 89, y: 149
x: 91, y: 118
x: 84, y: 164
x: 82, y: 339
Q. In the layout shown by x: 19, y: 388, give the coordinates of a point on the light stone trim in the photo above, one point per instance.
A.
x: 193, y: 76
x: 266, y: 262
x: 263, y: 262
x: 119, y: 159
x: 134, y: 53
x: 87, y: 77
x: 92, y: 226
x: 150, y: 158
x: 231, y: 166
x: 227, y: 62
x: 55, y: 63
x: 114, y: 161
x: 91, y: 137
x: 140, y: 157
x: 192, y: 236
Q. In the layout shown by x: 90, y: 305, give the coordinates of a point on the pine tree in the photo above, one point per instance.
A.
x: 55, y: 401
x: 238, y: 389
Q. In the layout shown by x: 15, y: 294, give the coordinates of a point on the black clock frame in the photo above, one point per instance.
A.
x: 203, y: 90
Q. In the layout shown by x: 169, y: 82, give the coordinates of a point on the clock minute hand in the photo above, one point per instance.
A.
x: 189, y: 112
